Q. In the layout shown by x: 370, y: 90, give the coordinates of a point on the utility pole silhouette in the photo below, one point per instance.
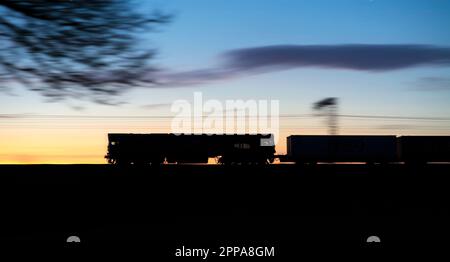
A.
x: 328, y: 107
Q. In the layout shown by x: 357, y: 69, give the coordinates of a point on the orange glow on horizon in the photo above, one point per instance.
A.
x: 85, y: 142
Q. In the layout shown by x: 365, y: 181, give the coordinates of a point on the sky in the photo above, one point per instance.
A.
x: 379, y: 57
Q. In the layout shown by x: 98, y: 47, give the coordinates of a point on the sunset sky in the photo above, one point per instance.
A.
x: 387, y: 59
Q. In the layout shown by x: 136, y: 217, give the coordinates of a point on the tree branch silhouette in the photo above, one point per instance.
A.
x: 75, y: 49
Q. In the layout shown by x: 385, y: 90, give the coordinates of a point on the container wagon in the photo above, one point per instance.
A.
x: 424, y: 149
x: 316, y: 148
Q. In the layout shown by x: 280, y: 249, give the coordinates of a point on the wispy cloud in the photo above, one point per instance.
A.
x: 361, y: 57
x: 155, y: 106
x: 432, y: 83
x: 12, y: 116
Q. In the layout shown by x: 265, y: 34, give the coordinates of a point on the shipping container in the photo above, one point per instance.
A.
x: 370, y: 149
x: 422, y: 149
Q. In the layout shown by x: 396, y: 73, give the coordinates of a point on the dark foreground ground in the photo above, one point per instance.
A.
x: 200, y: 205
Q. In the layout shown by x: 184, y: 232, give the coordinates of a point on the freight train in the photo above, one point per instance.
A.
x: 154, y: 149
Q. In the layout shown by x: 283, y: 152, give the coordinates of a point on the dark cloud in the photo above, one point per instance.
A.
x: 355, y: 57
x: 362, y: 57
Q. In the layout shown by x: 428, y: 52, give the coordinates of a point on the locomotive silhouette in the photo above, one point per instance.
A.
x: 174, y: 148
x: 154, y: 149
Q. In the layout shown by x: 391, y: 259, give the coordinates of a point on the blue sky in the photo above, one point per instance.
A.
x: 204, y: 29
